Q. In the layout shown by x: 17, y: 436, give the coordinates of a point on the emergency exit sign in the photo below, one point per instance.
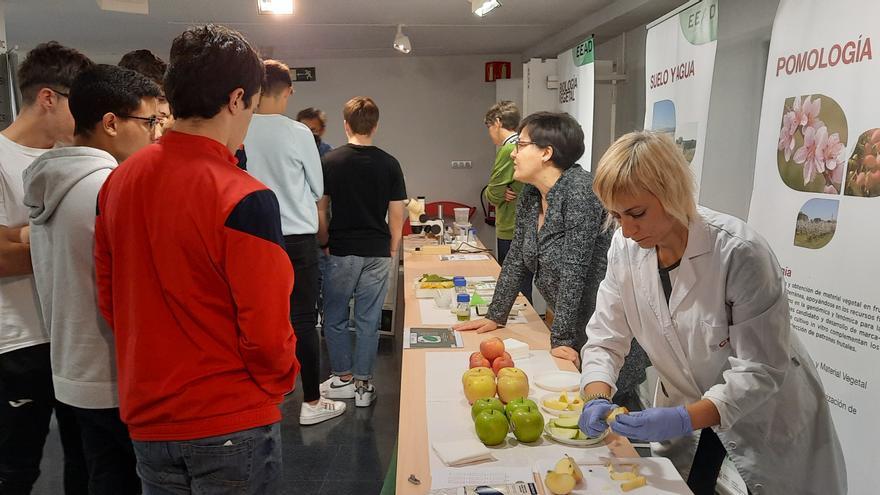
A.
x: 303, y: 74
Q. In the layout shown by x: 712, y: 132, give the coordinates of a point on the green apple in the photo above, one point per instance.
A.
x: 513, y: 383
x: 491, y: 426
x: 518, y: 403
x: 479, y: 383
x: 527, y: 423
x: 481, y: 405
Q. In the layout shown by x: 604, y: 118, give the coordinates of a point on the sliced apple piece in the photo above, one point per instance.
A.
x: 613, y: 414
x: 563, y: 398
x: 564, y: 433
x: 559, y: 483
x: 581, y: 436
x: 638, y: 482
x: 556, y: 405
x: 567, y: 422
x: 567, y: 465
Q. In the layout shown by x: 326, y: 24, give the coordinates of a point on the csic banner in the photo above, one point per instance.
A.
x: 815, y: 199
x: 576, y: 78
x: 679, y: 63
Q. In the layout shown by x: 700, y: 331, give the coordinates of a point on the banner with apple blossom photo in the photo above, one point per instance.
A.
x: 815, y: 199
x: 679, y: 63
x: 576, y: 78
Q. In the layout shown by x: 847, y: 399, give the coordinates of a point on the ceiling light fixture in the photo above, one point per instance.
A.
x: 401, y: 41
x: 483, y: 7
x: 275, y: 7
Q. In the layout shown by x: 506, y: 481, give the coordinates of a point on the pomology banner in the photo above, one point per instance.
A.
x: 815, y: 199
x: 576, y: 78
x: 679, y: 63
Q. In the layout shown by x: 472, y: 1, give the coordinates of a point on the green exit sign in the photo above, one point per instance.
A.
x: 303, y: 74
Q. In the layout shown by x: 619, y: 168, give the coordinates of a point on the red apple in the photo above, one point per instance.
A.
x: 477, y: 361
x: 504, y: 361
x: 492, y: 348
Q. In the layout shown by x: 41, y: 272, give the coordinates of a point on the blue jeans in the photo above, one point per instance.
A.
x: 244, y: 462
x: 365, y: 279
x: 525, y: 285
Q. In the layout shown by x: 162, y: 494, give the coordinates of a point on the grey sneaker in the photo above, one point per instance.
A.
x: 365, y: 394
x: 337, y: 388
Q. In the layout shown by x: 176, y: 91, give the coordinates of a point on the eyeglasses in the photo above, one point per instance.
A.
x: 152, y: 120
x: 520, y: 144
x: 59, y: 93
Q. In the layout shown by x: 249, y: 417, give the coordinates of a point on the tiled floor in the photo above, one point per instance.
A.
x: 346, y: 455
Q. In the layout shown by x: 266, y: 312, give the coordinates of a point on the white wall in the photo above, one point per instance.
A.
x: 431, y: 112
x: 735, y: 108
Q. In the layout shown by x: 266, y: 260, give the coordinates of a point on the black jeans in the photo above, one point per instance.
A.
x: 525, y: 285
x: 302, y: 249
x: 26, y: 403
x: 109, y: 454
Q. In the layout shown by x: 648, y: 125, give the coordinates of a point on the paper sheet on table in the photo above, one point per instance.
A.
x: 449, y: 418
x: 464, y: 257
x: 432, y: 315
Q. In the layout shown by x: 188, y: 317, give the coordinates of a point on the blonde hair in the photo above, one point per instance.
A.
x: 646, y: 161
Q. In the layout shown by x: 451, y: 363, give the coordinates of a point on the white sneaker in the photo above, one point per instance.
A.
x: 365, y: 394
x: 337, y: 388
x: 322, y: 411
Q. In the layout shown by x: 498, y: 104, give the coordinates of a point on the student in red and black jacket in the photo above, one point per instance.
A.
x: 194, y: 280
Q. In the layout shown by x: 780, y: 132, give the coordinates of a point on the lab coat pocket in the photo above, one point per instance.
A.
x: 710, y: 351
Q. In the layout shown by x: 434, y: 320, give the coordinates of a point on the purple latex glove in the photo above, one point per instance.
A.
x: 654, y: 425
x: 592, y: 421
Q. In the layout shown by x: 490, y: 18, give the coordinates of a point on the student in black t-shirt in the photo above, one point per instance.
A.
x: 362, y: 184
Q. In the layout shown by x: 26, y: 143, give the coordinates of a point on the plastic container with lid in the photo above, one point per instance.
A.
x: 460, y: 284
x: 463, y: 307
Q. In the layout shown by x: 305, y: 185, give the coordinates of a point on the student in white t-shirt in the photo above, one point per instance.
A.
x: 26, y: 395
x: 282, y: 154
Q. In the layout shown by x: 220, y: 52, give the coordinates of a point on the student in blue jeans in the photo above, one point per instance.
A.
x: 362, y: 185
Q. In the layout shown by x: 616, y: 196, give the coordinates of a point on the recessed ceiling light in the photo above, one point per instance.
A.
x: 483, y: 7
x: 275, y: 6
x: 401, y: 41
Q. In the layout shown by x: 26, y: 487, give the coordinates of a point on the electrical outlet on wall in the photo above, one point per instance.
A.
x: 462, y: 164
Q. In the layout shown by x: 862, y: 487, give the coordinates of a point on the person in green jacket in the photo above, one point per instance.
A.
x: 502, y: 120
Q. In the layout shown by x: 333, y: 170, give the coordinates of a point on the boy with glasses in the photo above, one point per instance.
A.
x: 26, y: 396
x: 316, y: 121
x: 114, y: 111
x: 148, y: 64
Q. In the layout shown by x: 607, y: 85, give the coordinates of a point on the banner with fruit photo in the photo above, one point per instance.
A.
x: 576, y: 80
x: 679, y: 64
x: 817, y: 178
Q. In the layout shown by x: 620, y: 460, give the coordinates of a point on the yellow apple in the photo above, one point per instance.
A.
x: 512, y: 384
x: 480, y: 370
x: 478, y: 384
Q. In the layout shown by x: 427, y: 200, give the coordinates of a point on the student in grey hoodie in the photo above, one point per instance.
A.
x: 115, y: 112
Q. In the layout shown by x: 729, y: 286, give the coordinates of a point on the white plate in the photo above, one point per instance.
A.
x: 559, y: 381
x: 575, y: 443
x: 555, y: 412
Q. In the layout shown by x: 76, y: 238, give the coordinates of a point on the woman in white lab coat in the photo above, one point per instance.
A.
x: 705, y: 297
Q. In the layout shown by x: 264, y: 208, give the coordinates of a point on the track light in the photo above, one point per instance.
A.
x: 401, y: 41
x: 483, y: 7
x: 275, y: 6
